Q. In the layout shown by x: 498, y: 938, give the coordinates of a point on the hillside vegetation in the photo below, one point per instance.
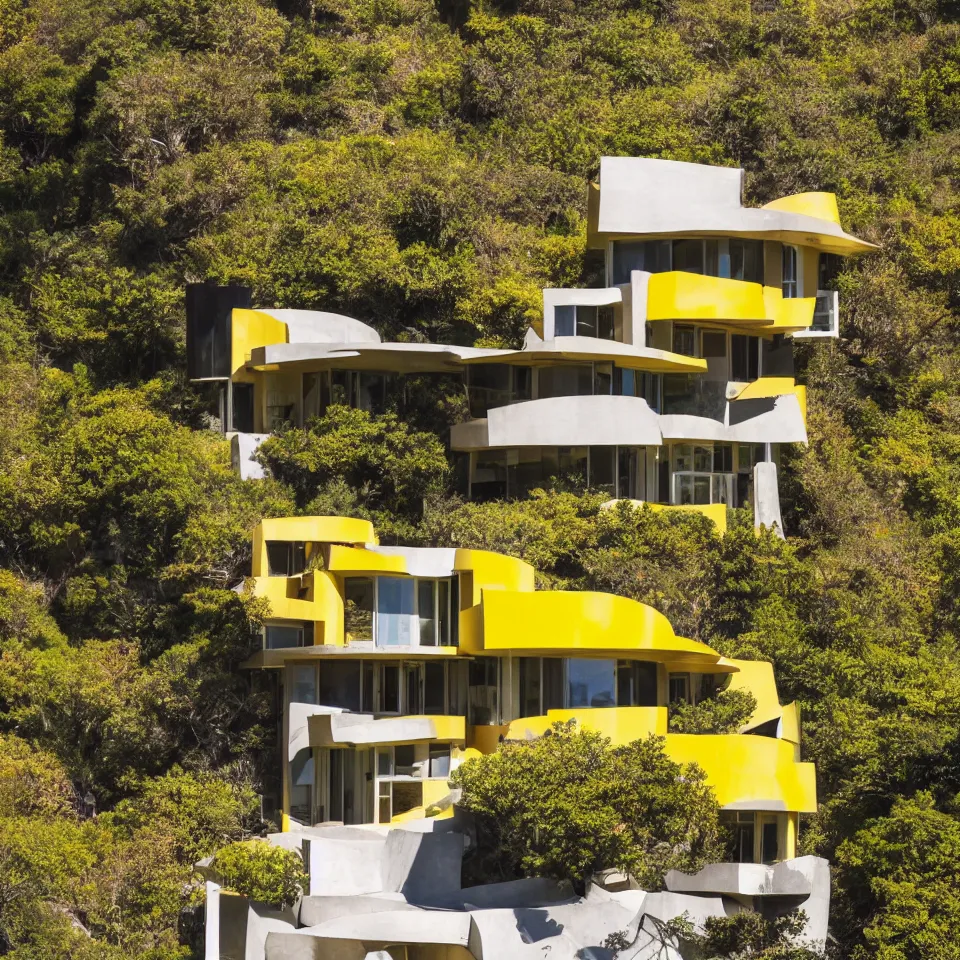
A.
x: 422, y: 166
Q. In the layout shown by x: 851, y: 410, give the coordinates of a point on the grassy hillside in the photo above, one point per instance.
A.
x: 422, y: 166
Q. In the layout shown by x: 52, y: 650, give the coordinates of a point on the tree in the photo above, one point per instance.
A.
x: 568, y: 804
x: 724, y: 712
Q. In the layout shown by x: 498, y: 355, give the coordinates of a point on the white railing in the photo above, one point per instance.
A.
x: 826, y: 316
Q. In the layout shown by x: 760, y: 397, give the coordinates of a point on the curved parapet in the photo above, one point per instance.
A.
x: 749, y: 772
x: 777, y: 419
x: 485, y: 570
x: 823, y: 206
x: 557, y: 622
x: 327, y: 729
x: 756, y: 676
x: 321, y: 326
x: 621, y: 724
x: 562, y: 421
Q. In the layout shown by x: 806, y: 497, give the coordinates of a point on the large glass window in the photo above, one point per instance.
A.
x: 397, y: 623
x: 434, y: 689
x: 702, y: 474
x: 496, y: 385
x: 745, y: 357
x: 583, y: 320
x: 340, y: 684
x: 483, y: 688
x: 688, y: 256
x: 746, y: 260
x: 303, y: 684
x: 358, y: 593
x: 574, y: 380
x: 684, y: 340
x: 528, y: 675
x: 301, y: 786
x: 281, y: 636
x: 653, y: 256
x: 285, y: 558
x: 591, y: 683
x: 243, y: 407
x: 636, y: 684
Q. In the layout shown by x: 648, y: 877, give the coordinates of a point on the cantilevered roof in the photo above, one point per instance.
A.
x: 440, y: 357
x: 642, y: 197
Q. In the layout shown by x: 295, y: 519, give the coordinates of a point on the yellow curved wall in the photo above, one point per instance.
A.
x: 757, y: 773
x: 250, y: 329
x: 823, y: 206
x: 308, y: 530
x: 757, y: 677
x: 356, y: 560
x: 621, y: 724
x: 493, y: 571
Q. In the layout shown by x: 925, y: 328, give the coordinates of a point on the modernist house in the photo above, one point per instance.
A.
x: 669, y: 385
x: 394, y: 664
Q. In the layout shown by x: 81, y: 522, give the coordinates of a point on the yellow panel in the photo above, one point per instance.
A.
x: 483, y: 739
x: 350, y: 560
x: 621, y: 724
x: 558, y: 622
x: 308, y: 530
x: 250, y: 329
x: 448, y: 728
x: 717, y: 512
x: 787, y: 314
x: 823, y: 206
x: 492, y: 571
x: 677, y: 295
x: 759, y: 773
x: 434, y: 791
x: 757, y: 677
x: 766, y: 387
x: 790, y: 728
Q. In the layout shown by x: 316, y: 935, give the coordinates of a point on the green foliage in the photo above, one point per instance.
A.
x: 746, y: 935
x: 900, y: 872
x: 726, y: 712
x: 392, y: 468
x: 568, y: 804
x: 262, y: 872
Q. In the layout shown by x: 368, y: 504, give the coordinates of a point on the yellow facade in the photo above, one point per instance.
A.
x: 400, y: 760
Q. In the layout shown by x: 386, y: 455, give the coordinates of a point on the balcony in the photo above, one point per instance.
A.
x: 826, y: 317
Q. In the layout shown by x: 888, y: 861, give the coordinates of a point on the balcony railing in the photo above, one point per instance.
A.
x: 826, y: 316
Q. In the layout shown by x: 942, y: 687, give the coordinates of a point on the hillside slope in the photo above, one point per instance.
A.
x: 422, y: 166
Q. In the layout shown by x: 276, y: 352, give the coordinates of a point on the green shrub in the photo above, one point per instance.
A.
x: 725, y: 712
x: 261, y: 872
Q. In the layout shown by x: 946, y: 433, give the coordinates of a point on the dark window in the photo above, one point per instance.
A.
x: 367, y: 705
x: 414, y: 704
x: 746, y: 260
x: 713, y: 344
x: 636, y: 684
x: 389, y: 688
x: 591, y: 683
x: 439, y: 757
x: 552, y: 684
x: 684, y: 340
x: 828, y: 270
x: 575, y: 380
x: 564, y: 320
x: 745, y: 356
x: 284, y: 636
x: 530, y: 692
x: 243, y: 407
x: 340, y: 685
x: 650, y: 255
x: 483, y: 691
x: 770, y: 847
x: 285, y: 558
x: 602, y: 466
x: 722, y: 458
x: 688, y: 256
x: 434, y: 689
x: 790, y: 285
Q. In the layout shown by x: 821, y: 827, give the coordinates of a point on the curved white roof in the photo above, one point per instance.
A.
x: 319, y: 326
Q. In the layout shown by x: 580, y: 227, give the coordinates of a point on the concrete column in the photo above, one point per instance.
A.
x: 211, y: 932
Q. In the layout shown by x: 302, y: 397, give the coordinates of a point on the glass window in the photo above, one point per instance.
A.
x: 340, y: 684
x: 303, y: 686
x: 680, y: 688
x: 384, y: 802
x: 301, y: 786
x: 684, y: 340
x: 630, y: 464
x: 489, y: 478
x: 385, y: 762
x: 650, y: 255
x: 603, y: 379
x: 636, y: 684
x: 439, y: 760
x: 552, y: 684
x: 358, y: 608
x: 282, y: 636
x: 745, y: 357
x: 790, y: 275
x: 828, y: 270
x: 564, y: 320
x: 396, y: 619
x: 482, y: 691
x: 529, y: 686
x: 443, y: 611
x: 688, y: 256
x: 389, y: 688
x: 574, y: 380
x: 746, y: 260
x: 426, y: 611
x: 413, y: 705
x: 434, y: 689
x: 591, y: 683
x: 313, y: 393
x: 367, y: 704
x: 722, y: 458
x: 602, y: 467
x: 769, y: 845
x: 606, y: 323
x: 405, y: 760
x: 285, y: 558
